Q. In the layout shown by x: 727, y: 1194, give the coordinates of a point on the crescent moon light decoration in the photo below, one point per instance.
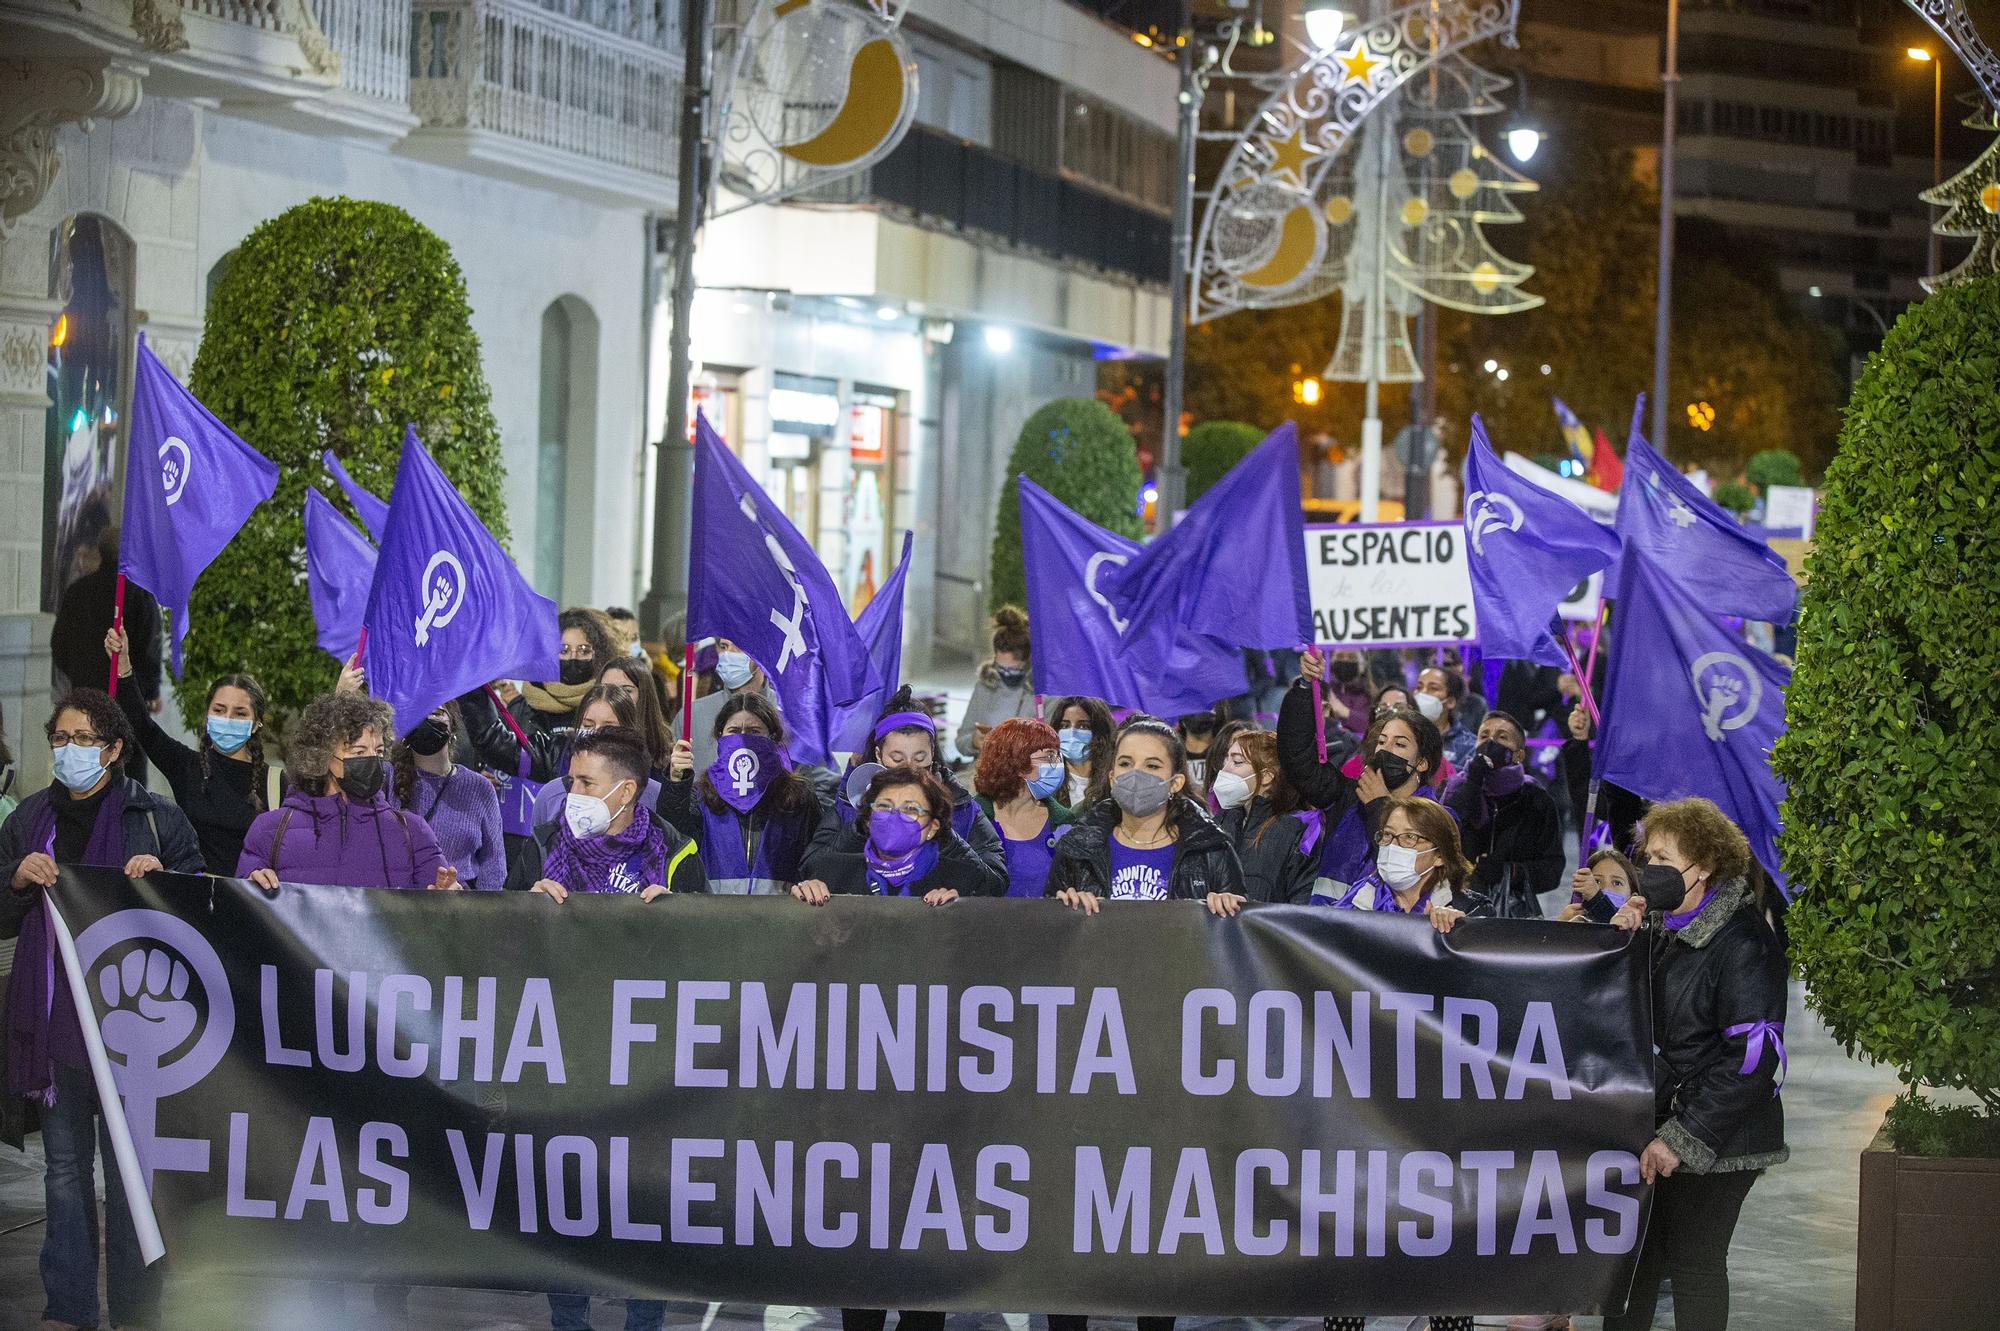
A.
x: 1263, y: 236
x: 817, y: 90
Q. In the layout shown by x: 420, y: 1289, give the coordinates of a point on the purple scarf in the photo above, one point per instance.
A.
x: 1681, y: 919
x: 42, y: 1025
x: 1385, y: 900
x: 585, y: 866
x: 887, y: 877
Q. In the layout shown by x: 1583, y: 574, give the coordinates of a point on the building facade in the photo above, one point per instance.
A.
x: 871, y: 349
x: 144, y: 141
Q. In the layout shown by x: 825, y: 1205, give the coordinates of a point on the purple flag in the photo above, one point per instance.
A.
x: 373, y: 512
x: 1232, y: 569
x: 880, y: 625
x: 1692, y: 709
x: 1079, y: 635
x: 340, y: 566
x: 1526, y: 548
x: 754, y: 580
x: 1688, y: 537
x: 447, y: 610
x: 190, y: 485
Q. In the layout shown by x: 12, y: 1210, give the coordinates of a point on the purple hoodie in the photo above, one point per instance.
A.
x: 332, y: 841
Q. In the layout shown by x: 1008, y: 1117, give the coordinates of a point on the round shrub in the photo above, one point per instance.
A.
x: 1078, y: 450
x: 1212, y: 448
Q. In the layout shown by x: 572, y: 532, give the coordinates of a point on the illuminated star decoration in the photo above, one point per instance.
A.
x: 1358, y: 64
x: 1289, y: 154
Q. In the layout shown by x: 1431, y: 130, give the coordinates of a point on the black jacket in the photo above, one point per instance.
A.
x: 981, y: 836
x: 1275, y: 869
x: 152, y: 827
x: 1320, y: 785
x: 837, y: 860
x: 1204, y: 861
x: 221, y: 796
x: 493, y: 739
x: 1523, y: 833
x: 76, y: 641
x: 684, y: 866
x: 1725, y: 971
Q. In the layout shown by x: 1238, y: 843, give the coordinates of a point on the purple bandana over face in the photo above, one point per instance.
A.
x: 744, y: 767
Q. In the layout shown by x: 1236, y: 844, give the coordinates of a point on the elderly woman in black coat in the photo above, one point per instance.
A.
x: 1719, y: 980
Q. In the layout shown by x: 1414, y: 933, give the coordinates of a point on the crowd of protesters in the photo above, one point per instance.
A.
x: 1420, y: 788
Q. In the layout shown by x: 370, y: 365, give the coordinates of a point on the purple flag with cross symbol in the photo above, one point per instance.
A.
x: 448, y: 611
x: 190, y: 485
x: 752, y: 578
x: 1526, y: 549
x: 340, y: 568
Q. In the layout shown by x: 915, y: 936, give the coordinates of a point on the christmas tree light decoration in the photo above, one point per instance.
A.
x: 1970, y: 199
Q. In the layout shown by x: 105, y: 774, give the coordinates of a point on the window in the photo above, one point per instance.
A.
x: 565, y: 451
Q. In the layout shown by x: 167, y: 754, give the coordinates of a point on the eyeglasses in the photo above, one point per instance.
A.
x: 1407, y: 840
x: 58, y: 738
x: 919, y: 812
x: 576, y: 652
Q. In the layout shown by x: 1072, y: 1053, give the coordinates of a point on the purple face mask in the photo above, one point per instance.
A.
x: 744, y: 767
x: 893, y: 835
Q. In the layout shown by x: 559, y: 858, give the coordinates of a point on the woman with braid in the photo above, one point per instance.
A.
x: 223, y: 783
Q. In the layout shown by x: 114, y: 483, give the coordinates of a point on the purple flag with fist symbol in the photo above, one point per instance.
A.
x: 448, y: 611
x: 190, y: 485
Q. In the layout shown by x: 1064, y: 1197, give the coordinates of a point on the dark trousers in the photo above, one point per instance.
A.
x: 571, y: 1312
x: 1694, y: 1216
x: 1079, y: 1322
x: 874, y: 1319
x: 71, y: 1133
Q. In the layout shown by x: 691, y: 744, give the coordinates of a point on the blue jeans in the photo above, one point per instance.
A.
x: 70, y: 1135
x: 571, y: 1312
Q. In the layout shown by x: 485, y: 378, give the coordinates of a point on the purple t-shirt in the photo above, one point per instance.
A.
x: 1140, y: 875
x: 1028, y: 863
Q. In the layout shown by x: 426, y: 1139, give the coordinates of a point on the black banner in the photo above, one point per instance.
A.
x: 990, y: 1106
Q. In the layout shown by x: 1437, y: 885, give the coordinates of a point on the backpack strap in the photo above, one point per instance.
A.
x: 278, y: 841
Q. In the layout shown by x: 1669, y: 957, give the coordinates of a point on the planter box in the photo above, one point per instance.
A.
x: 1928, y: 1243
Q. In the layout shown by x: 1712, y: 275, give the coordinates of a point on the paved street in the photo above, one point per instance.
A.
x: 1794, y: 1253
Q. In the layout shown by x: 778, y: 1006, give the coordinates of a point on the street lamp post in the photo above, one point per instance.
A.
x: 1173, y: 489
x: 1923, y: 54
x: 1663, y: 300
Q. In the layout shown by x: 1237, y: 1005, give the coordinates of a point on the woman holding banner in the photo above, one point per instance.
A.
x: 906, y: 736
x: 901, y: 845
x: 1150, y: 841
x: 1019, y: 773
x: 336, y: 826
x: 1261, y: 817
x: 1086, y: 735
x: 93, y: 815
x: 223, y: 783
x: 1719, y: 977
x: 751, y: 816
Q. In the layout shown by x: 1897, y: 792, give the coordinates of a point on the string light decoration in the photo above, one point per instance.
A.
x: 1970, y: 199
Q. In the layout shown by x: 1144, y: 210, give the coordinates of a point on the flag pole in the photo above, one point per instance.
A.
x: 1582, y: 678
x: 1319, y: 708
x: 687, y: 693
x: 117, y: 624
x: 520, y: 736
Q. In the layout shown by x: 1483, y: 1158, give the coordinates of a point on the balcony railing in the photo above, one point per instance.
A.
x: 515, y: 68
x: 942, y: 178
x: 372, y: 38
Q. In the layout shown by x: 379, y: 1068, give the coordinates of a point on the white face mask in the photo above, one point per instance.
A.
x: 1230, y: 790
x: 1397, y: 866
x: 734, y: 669
x: 1430, y: 705
x: 587, y: 816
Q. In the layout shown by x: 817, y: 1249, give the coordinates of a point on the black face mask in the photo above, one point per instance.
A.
x: 360, y: 778
x: 430, y: 737
x: 1497, y: 753
x: 1346, y: 671
x: 578, y: 672
x: 1012, y: 679
x: 1662, y: 884
x: 1394, y: 767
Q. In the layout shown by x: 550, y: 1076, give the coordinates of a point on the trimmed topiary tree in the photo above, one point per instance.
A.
x: 335, y: 324
x: 1773, y: 466
x: 1895, y: 703
x: 1736, y: 497
x: 1212, y: 448
x: 1078, y: 450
